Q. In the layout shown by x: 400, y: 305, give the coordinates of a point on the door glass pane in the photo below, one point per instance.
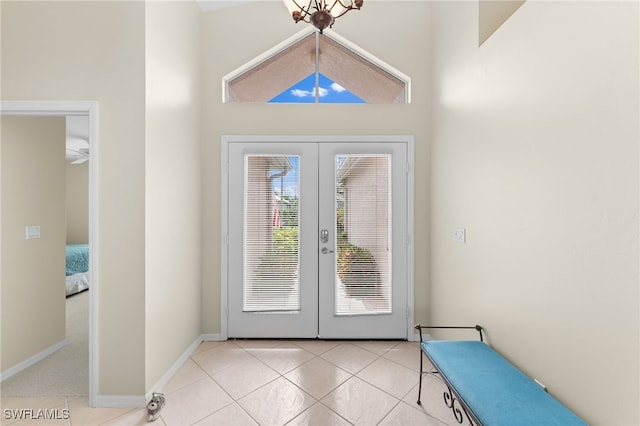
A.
x: 363, y: 232
x: 271, y: 245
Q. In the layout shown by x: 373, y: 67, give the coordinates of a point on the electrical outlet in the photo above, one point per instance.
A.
x: 459, y: 235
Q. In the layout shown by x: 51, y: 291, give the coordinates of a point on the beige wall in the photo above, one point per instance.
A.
x: 400, y: 24
x: 173, y: 188
x: 75, y: 51
x: 535, y: 152
x: 33, y: 193
x: 146, y: 84
x: 77, y: 178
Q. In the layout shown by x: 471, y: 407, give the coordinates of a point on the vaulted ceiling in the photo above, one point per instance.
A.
x: 207, y: 5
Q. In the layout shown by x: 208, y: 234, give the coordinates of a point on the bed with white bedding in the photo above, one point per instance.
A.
x: 77, y: 268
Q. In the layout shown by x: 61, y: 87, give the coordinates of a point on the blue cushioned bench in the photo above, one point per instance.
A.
x: 488, y: 389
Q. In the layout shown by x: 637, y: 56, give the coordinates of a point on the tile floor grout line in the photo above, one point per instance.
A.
x: 280, y: 375
x: 227, y: 392
x: 389, y: 412
x: 187, y: 384
x: 210, y: 414
x: 283, y: 376
x: 247, y: 413
x: 401, y: 354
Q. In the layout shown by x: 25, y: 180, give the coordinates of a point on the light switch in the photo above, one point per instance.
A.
x: 33, y: 232
x: 459, y: 235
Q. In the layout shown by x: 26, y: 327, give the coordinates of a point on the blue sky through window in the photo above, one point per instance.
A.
x: 303, y: 92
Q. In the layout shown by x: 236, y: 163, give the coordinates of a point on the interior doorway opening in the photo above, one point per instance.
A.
x: 65, y: 109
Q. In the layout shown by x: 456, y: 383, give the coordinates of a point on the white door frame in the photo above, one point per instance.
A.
x: 224, y: 191
x: 90, y: 109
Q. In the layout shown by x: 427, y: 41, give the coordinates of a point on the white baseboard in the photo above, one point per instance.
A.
x: 120, y: 401
x: 425, y: 337
x: 140, y: 401
x: 180, y: 362
x: 174, y: 368
x: 213, y: 338
x: 30, y: 361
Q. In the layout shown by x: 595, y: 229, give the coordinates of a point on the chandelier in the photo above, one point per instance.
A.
x: 320, y: 13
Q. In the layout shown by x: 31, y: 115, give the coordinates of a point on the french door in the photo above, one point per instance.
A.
x: 317, y: 240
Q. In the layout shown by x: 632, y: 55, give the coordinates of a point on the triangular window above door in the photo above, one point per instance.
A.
x: 282, y: 68
x: 327, y: 91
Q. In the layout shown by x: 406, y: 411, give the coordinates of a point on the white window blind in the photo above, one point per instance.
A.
x: 363, y: 232
x: 270, y: 235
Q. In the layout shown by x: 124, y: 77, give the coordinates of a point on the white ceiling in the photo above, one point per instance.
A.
x: 207, y: 5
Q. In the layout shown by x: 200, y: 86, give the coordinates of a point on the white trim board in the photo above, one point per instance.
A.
x: 139, y: 401
x: 90, y: 109
x: 121, y: 401
x: 162, y: 382
x: 18, y: 368
x: 180, y: 362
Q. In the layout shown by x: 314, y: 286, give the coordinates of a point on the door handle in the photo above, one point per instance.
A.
x: 326, y: 250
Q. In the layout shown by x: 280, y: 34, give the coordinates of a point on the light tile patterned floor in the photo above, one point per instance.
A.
x: 275, y: 382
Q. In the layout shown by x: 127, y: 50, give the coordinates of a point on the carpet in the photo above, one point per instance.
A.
x: 65, y: 372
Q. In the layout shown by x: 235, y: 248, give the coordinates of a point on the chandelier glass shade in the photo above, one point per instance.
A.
x: 320, y: 13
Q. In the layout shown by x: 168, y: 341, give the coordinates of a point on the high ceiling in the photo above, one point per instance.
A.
x: 207, y: 5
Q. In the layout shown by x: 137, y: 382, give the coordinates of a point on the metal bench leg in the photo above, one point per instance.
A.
x: 421, y: 373
x: 453, y: 402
